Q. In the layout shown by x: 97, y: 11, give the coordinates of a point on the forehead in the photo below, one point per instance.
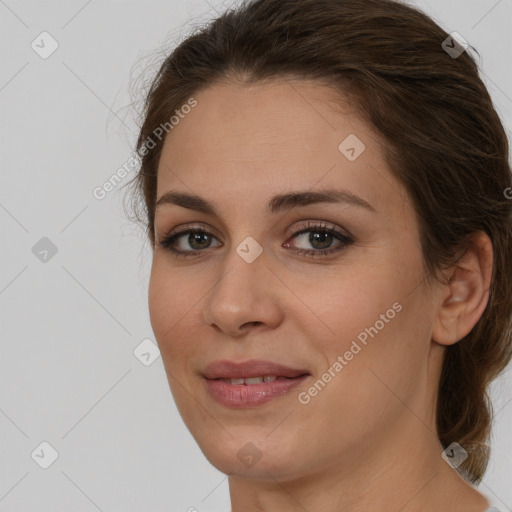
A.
x: 244, y: 119
x: 279, y: 135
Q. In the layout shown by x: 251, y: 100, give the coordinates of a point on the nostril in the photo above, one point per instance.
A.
x: 249, y: 324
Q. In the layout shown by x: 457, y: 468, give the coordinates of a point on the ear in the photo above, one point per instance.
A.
x: 464, y: 298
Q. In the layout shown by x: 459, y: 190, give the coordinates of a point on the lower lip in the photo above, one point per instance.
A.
x: 243, y: 395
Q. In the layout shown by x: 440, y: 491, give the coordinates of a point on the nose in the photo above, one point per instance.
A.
x: 244, y: 297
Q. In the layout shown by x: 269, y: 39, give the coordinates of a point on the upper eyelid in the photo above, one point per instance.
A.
x: 309, y: 225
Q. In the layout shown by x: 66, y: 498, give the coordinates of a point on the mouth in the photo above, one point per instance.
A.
x: 254, y: 368
x: 250, y: 383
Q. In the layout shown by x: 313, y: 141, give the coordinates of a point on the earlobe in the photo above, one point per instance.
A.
x: 465, y: 297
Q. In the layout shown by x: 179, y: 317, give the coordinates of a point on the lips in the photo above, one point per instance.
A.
x: 250, y: 369
x: 251, y: 383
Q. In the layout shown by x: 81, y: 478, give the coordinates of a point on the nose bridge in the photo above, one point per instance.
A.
x: 240, y: 275
x: 240, y: 294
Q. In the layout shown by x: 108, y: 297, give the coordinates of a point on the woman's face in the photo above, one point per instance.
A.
x: 349, y: 307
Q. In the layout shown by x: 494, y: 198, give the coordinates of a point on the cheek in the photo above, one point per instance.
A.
x: 376, y: 338
x: 160, y: 303
x: 379, y: 326
x: 382, y: 366
x: 171, y: 303
x: 354, y: 306
x: 364, y: 394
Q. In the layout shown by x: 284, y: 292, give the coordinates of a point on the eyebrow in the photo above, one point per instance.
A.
x: 277, y: 204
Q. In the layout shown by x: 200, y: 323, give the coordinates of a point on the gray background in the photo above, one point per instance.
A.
x: 70, y: 324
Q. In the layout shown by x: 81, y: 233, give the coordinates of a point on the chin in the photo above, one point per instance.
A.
x: 252, y: 456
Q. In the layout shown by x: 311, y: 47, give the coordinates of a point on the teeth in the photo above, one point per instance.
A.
x: 254, y: 380
x: 251, y: 380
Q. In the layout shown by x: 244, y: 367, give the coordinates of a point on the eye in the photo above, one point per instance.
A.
x: 180, y: 244
x: 322, y: 238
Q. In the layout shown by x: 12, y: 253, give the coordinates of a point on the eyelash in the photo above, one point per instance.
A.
x: 168, y: 241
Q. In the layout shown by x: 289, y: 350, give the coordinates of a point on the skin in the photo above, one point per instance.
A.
x: 367, y: 441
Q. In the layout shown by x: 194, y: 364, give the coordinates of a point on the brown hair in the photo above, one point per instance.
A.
x: 444, y: 142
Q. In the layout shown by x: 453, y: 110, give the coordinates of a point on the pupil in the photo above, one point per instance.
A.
x: 318, y: 237
x: 198, y: 237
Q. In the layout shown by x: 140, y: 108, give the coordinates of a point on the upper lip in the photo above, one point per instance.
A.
x: 253, y: 368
